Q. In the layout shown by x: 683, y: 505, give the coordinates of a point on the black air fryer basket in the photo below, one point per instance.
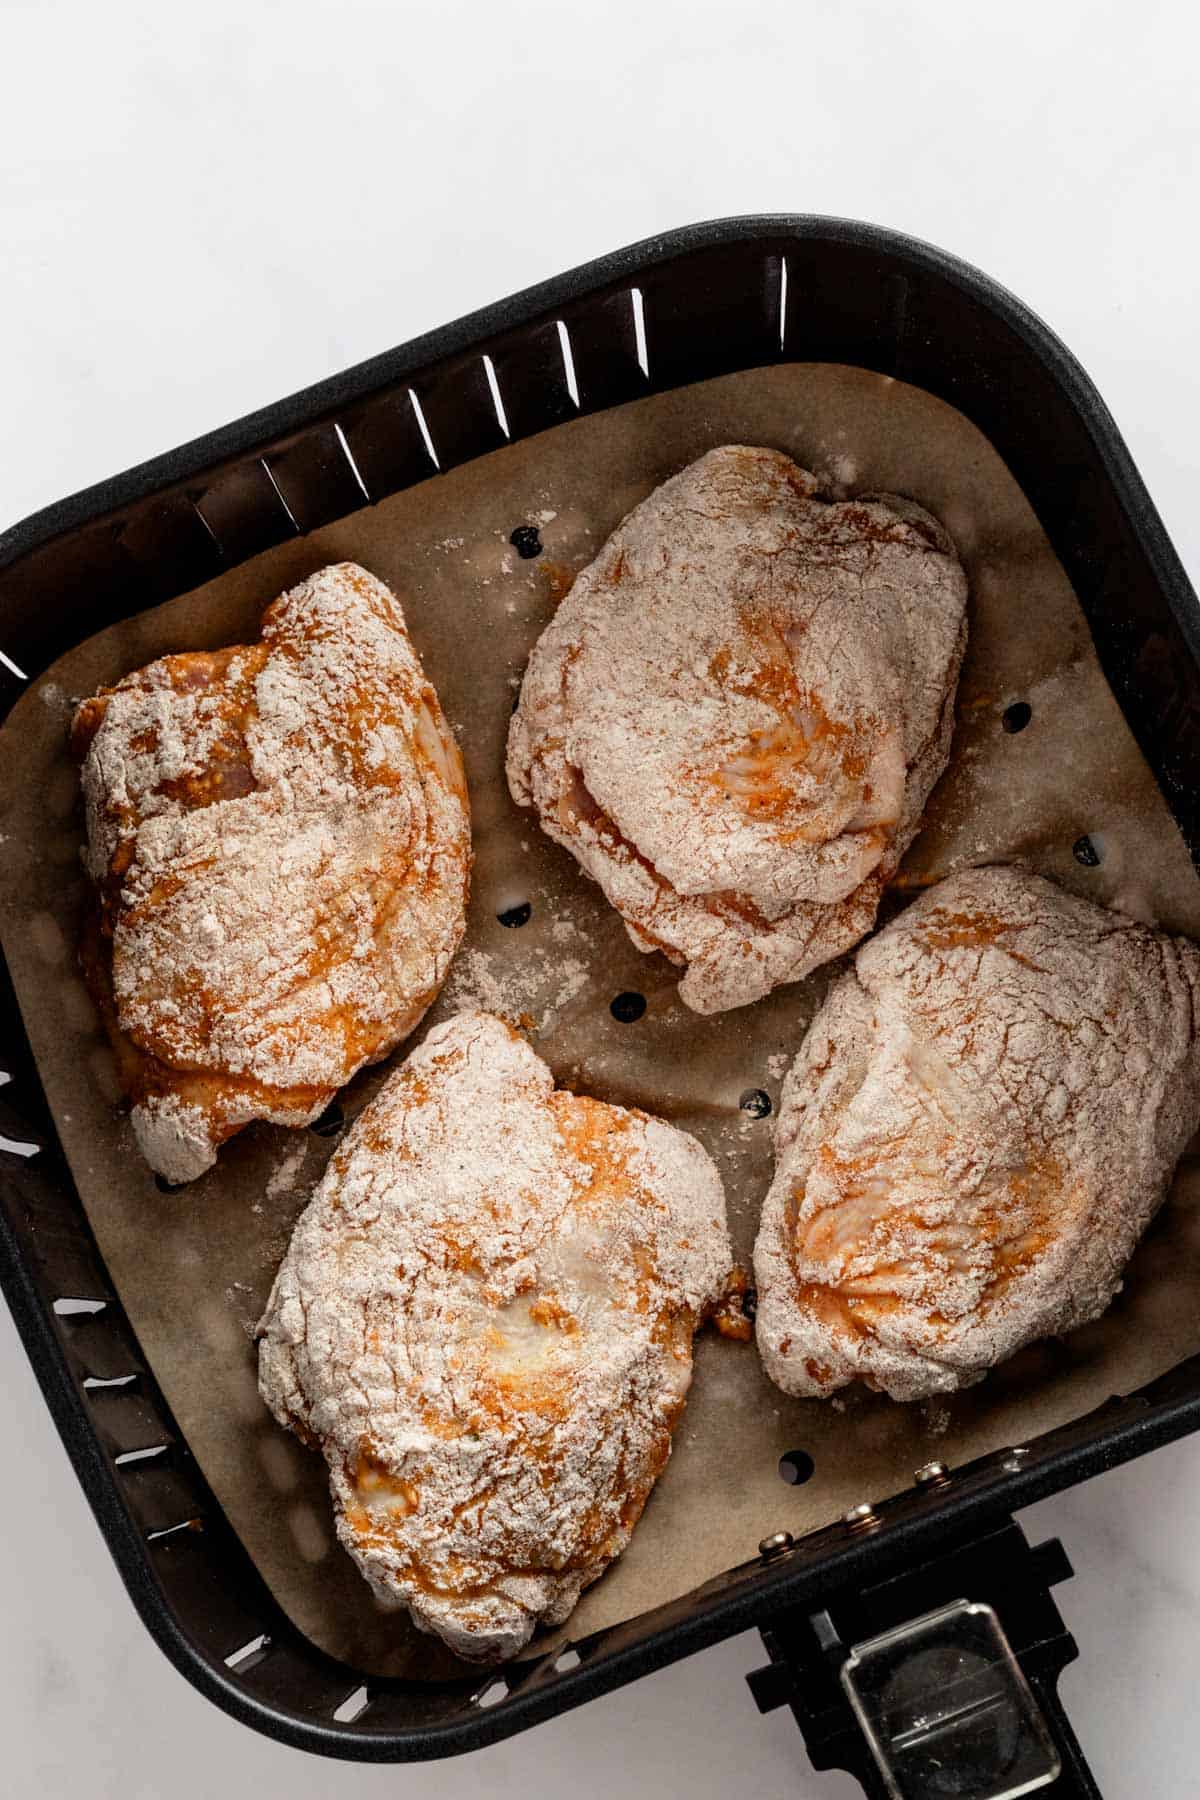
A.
x: 864, y: 1620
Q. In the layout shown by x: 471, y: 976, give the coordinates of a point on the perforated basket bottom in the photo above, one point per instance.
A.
x: 193, y: 1268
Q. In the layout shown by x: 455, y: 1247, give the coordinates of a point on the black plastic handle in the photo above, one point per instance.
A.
x: 1076, y: 1781
x: 821, y: 1667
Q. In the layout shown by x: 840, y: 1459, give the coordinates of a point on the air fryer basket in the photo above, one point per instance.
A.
x: 700, y: 302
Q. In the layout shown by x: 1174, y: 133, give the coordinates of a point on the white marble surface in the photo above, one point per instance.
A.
x: 202, y: 208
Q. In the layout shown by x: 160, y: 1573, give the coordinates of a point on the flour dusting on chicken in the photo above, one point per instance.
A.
x: 737, y: 714
x: 485, y: 1321
x: 279, y: 839
x: 983, y: 1118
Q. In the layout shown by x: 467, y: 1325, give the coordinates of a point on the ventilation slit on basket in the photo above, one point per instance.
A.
x: 489, y: 369
x: 148, y: 1454
x: 156, y: 1537
x: 495, y: 1691
x: 349, y: 455
x: 12, y: 668
x: 256, y: 1648
x: 279, y: 492
x: 99, y: 1384
x: 565, y: 1660
x: 564, y: 343
x: 419, y: 416
x: 639, y: 330
x: 67, y: 1308
x: 352, y: 1707
x: 18, y: 1146
x: 782, y: 301
x: 212, y: 534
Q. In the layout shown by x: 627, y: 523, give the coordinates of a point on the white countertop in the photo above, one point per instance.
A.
x: 203, y: 209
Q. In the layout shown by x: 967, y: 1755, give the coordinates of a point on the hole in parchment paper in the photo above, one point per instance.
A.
x: 796, y: 1467
x: 69, y: 1309
x: 493, y: 1693
x: 627, y: 1008
x: 352, y: 1707
x: 330, y: 1121
x: 1085, y: 852
x: 755, y: 1102
x: 526, y: 540
x: 750, y: 1304
x: 168, y: 1187
x: 1016, y: 717
x: 514, y: 916
x: 565, y: 1660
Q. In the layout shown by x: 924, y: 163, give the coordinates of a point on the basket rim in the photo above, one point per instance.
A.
x: 983, y: 1492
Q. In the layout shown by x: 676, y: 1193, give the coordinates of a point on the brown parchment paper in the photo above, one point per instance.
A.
x: 193, y: 1268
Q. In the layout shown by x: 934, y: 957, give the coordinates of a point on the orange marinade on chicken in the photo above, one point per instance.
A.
x: 485, y: 1321
x: 279, y: 841
x: 984, y: 1116
x: 737, y: 714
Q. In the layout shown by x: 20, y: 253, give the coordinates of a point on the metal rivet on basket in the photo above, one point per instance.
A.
x: 777, y: 1544
x: 862, y: 1517
x: 932, y: 1474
